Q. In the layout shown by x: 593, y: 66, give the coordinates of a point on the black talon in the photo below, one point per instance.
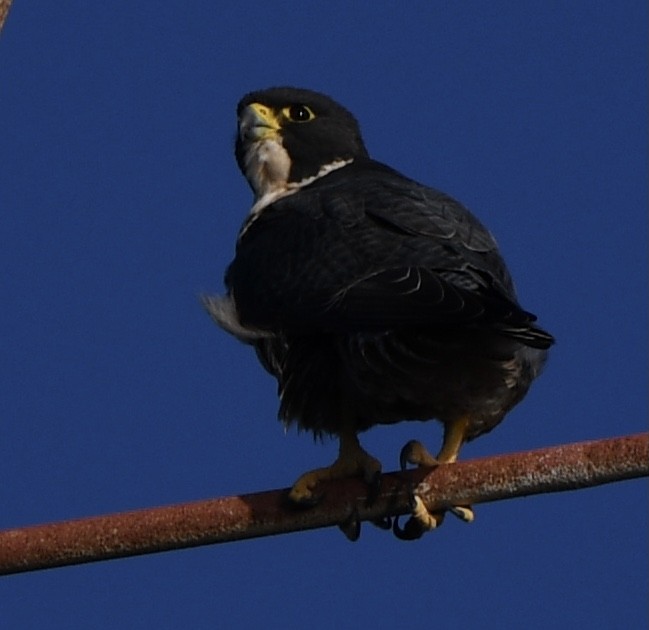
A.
x: 351, y: 526
x: 411, y: 531
x: 404, y: 455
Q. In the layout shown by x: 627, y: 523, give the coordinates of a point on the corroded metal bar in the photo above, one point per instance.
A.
x: 227, y: 519
x: 4, y: 9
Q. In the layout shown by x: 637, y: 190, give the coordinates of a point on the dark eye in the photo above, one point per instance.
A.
x: 299, y: 113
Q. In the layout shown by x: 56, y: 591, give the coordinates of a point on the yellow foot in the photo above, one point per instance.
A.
x: 421, y: 520
x: 352, y: 461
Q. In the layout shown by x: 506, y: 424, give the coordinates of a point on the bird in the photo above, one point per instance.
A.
x: 371, y: 298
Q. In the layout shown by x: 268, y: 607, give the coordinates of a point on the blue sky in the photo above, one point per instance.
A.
x: 119, y: 204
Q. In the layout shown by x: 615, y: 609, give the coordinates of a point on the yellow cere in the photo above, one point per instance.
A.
x: 265, y: 115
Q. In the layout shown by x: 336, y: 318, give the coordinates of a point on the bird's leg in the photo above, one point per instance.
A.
x: 352, y: 461
x: 421, y: 520
x: 454, y: 438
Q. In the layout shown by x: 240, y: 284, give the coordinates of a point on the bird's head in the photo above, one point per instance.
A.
x: 288, y: 136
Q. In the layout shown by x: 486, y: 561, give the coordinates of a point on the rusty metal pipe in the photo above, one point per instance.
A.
x: 4, y: 9
x: 555, y: 469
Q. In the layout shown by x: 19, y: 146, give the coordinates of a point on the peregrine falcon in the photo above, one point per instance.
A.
x: 371, y: 298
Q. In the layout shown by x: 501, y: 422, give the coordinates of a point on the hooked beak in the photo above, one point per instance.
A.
x: 256, y: 122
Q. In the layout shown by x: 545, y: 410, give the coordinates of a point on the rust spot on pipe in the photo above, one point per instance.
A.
x: 4, y: 9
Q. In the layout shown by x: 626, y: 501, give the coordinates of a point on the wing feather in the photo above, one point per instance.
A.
x: 366, y: 249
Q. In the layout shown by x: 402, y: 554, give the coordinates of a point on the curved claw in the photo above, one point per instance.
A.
x: 411, y: 531
x: 413, y: 528
x: 415, y: 453
x: 351, y: 526
x: 405, y: 454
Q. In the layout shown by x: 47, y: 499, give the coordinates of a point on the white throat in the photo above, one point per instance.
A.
x: 276, y: 190
x: 267, y: 166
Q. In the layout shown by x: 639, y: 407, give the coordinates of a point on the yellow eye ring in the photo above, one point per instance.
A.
x: 298, y: 113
